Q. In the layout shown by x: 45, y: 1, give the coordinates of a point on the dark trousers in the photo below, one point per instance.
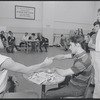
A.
x: 41, y: 44
x: 66, y: 91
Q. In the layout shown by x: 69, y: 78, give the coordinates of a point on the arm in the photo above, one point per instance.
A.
x: 64, y: 72
x: 9, y: 64
x: 91, y: 44
x: 60, y: 57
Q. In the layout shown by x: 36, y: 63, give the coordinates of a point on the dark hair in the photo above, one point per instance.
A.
x: 9, y: 78
x: 96, y: 23
x: 10, y: 32
x: 78, y: 39
x: 99, y: 10
x: 33, y: 34
x: 61, y: 35
x: 26, y: 33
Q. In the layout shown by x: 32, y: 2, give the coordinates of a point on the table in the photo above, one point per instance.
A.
x: 27, y: 44
x: 54, y: 79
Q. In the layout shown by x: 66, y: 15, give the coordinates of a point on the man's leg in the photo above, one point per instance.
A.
x: 40, y: 46
x: 45, y: 46
x: 67, y: 91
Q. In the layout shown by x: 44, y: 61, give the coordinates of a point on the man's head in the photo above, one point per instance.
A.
x: 76, y: 45
x: 2, y: 32
x: 10, y: 33
x: 96, y: 26
x: 33, y: 34
x: 26, y: 34
x: 61, y: 35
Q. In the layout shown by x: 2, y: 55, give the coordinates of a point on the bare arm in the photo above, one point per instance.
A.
x: 60, y: 57
x: 64, y: 72
x: 9, y: 64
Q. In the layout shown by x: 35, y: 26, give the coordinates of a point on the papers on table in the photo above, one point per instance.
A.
x: 43, y: 77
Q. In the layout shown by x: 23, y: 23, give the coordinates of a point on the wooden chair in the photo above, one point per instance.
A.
x: 86, y: 91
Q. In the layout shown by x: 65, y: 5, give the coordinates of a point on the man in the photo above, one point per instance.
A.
x: 7, y: 63
x: 63, y: 42
x: 97, y: 47
x: 33, y: 44
x: 43, y: 42
x: 96, y: 59
x: 80, y: 72
x: 11, y: 42
x: 3, y: 38
x: 92, y: 41
x: 24, y: 38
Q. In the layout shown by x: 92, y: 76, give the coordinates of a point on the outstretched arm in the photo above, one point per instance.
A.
x: 9, y: 64
x: 64, y: 72
x: 60, y: 57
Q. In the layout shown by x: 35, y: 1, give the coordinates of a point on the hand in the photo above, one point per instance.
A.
x: 42, y: 70
x: 47, y: 61
x: 52, y: 58
x: 59, y: 71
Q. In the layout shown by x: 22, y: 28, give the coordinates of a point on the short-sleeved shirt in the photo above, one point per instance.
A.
x: 82, y: 68
x: 3, y: 74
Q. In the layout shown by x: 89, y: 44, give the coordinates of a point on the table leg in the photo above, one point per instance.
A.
x: 43, y: 91
x: 27, y: 47
x: 24, y: 46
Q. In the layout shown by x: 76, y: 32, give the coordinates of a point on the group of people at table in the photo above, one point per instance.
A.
x: 80, y: 71
x: 27, y: 40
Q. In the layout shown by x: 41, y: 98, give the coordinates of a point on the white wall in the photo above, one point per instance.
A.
x: 51, y: 16
x: 48, y: 20
x: 7, y: 16
x: 61, y: 16
x: 73, y: 15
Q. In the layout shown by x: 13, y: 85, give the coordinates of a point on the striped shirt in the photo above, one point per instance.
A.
x: 82, y: 68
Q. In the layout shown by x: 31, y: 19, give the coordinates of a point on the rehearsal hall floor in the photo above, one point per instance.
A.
x: 33, y: 58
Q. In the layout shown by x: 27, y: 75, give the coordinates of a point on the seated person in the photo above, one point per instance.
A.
x: 24, y: 38
x: 43, y: 42
x: 80, y: 72
x: 3, y: 38
x: 11, y: 42
x: 33, y: 44
x: 63, y: 42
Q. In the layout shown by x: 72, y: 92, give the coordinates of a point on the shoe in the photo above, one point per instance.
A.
x: 46, y: 51
x: 18, y: 50
x: 41, y: 51
x: 66, y: 49
x: 92, y: 85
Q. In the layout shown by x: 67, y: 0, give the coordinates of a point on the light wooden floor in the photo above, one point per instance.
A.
x: 34, y: 58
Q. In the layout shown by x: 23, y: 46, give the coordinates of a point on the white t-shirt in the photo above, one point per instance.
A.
x: 25, y: 38
x: 97, y: 47
x: 3, y: 74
